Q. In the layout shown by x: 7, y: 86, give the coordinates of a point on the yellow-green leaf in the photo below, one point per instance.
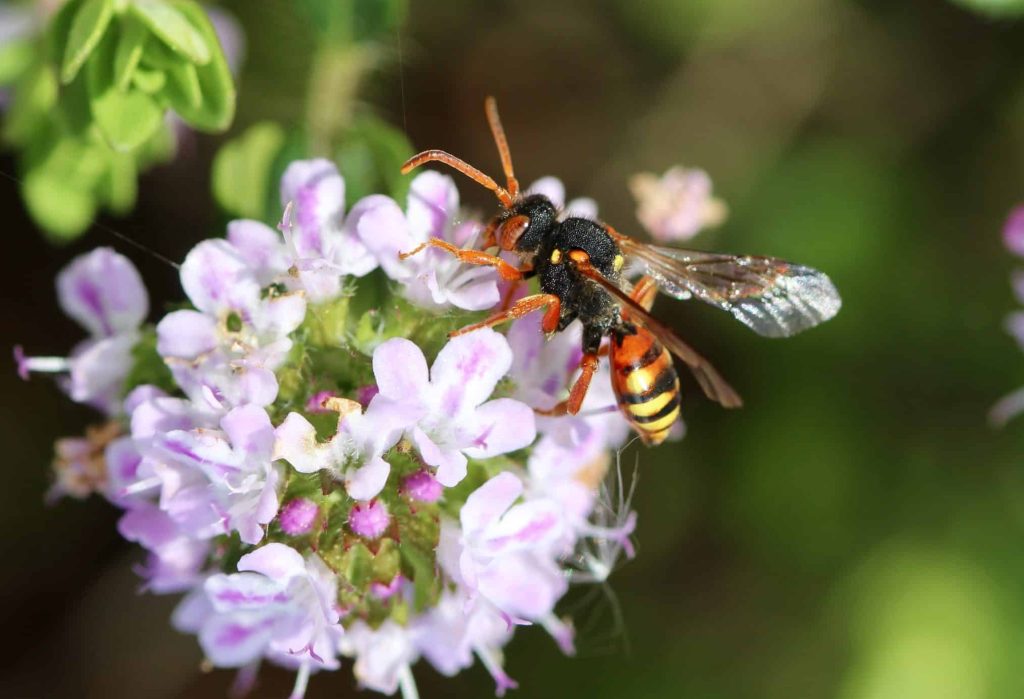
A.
x: 174, y: 29
x: 129, y: 51
x: 87, y: 28
x: 217, y: 108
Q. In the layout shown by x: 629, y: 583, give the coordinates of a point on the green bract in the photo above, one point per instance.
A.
x: 91, y: 96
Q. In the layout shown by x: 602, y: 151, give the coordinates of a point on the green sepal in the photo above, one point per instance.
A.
x: 87, y: 28
x: 130, y: 45
x: 126, y: 119
x: 217, y: 107
x: 148, y: 367
x: 175, y: 29
x: 242, y: 170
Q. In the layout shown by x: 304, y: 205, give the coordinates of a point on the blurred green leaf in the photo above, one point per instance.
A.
x: 175, y: 29
x: 148, y: 80
x: 61, y: 209
x: 217, y: 107
x: 242, y: 170
x: 370, y: 157
x: 35, y: 94
x: 182, y: 90
x: 375, y: 18
x: 129, y: 51
x: 994, y: 8
x: 15, y: 59
x: 119, y: 186
x: 87, y: 29
x: 126, y: 119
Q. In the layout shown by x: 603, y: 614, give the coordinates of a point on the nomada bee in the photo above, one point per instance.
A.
x: 580, y: 265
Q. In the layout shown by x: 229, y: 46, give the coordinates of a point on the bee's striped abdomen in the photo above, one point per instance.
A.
x: 646, y: 385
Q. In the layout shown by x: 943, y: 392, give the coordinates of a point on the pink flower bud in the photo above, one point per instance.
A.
x: 297, y: 516
x: 369, y: 519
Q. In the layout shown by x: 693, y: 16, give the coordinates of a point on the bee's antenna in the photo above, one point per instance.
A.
x: 491, y: 107
x: 462, y: 166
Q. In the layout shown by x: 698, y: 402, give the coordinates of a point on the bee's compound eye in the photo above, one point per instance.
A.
x: 511, y: 230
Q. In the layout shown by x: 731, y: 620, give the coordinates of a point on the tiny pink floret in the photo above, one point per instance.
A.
x: 369, y: 519
x: 298, y: 516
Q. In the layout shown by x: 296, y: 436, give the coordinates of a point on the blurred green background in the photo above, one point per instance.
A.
x: 857, y: 531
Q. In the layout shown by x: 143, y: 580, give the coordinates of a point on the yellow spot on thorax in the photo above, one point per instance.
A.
x: 556, y: 257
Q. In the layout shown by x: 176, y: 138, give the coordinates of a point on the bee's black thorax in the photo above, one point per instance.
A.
x: 549, y: 242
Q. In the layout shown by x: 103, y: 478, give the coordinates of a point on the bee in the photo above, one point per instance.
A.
x: 581, y: 267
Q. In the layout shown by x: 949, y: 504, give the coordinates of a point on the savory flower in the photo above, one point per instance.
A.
x: 323, y: 244
x: 279, y: 606
x: 383, y: 656
x: 220, y: 479
x: 432, y: 278
x: 225, y: 352
x: 103, y: 291
x: 451, y: 420
x: 677, y: 205
x: 507, y: 549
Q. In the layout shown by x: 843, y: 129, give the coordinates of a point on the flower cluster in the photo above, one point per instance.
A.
x: 1013, y: 237
x: 305, y: 454
x: 677, y: 205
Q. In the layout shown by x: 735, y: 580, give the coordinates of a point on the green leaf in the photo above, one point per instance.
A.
x: 119, y: 185
x: 148, y: 80
x: 173, y: 28
x: 87, y: 29
x: 129, y: 52
x: 376, y: 18
x: 217, y: 108
x: 371, y: 155
x: 15, y: 58
x: 126, y: 119
x: 182, y: 90
x: 56, y: 205
x: 34, y: 97
x: 242, y: 170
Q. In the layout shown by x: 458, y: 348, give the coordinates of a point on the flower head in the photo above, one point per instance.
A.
x: 677, y: 205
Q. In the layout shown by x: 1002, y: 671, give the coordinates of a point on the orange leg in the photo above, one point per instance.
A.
x: 519, y: 309
x: 579, y: 389
x: 645, y: 291
x: 470, y: 257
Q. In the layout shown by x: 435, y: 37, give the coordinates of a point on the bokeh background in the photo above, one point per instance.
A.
x: 857, y: 531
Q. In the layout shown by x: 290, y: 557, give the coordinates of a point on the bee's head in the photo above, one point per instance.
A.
x: 523, y: 226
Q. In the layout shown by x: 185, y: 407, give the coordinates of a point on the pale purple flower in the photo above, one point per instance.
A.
x: 354, y: 454
x: 215, y: 481
x: 383, y: 656
x: 1013, y: 231
x: 507, y: 550
x: 369, y: 519
x: 225, y: 352
x: 452, y: 418
x: 104, y: 293
x: 553, y: 189
x: 677, y: 205
x: 324, y: 245
x: 279, y: 606
x: 432, y: 279
x: 175, y: 558
x: 452, y: 632
x: 544, y: 369
x: 298, y: 516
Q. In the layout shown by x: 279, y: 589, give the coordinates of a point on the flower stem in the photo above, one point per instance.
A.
x: 334, y: 80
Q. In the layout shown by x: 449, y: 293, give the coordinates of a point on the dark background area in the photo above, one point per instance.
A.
x: 854, y: 532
